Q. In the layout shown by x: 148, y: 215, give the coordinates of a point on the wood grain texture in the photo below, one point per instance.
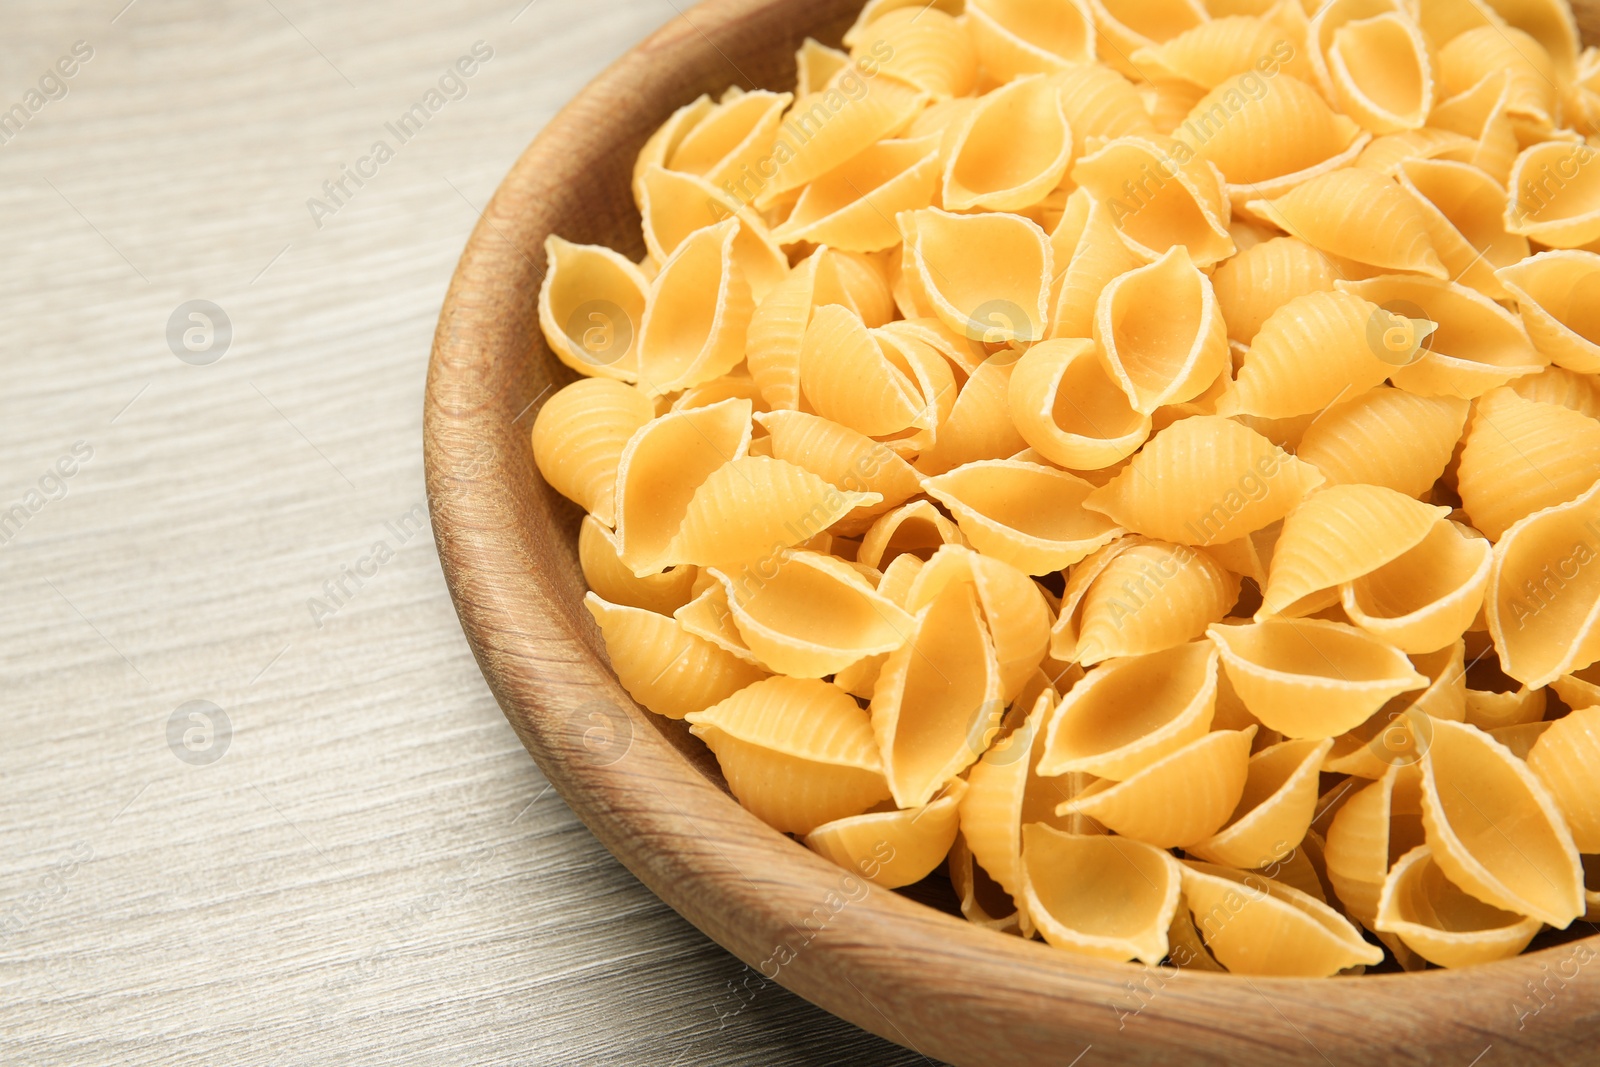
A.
x: 374, y: 871
x: 900, y: 969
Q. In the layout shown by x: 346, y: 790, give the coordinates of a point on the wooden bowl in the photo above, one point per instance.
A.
x: 901, y: 969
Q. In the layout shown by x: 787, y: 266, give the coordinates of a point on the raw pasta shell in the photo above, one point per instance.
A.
x: 676, y: 205
x: 873, y: 10
x: 1483, y: 115
x: 937, y: 702
x: 1151, y: 596
x: 1549, y: 22
x: 725, y: 141
x: 665, y: 668
x: 1443, y: 924
x: 1203, y: 481
x: 847, y: 377
x: 1357, y: 215
x: 665, y: 141
x: 1340, y: 534
x: 1014, y: 609
x: 1376, y: 825
x: 1495, y: 830
x: 1273, y: 815
x: 1386, y: 437
x: 1478, y: 345
x: 981, y: 424
x: 986, y: 276
x: 752, y: 508
x: 853, y: 206
x: 697, y: 313
x: 1090, y: 254
x: 898, y: 848
x: 1555, y: 195
x: 1281, y: 378
x: 1132, y: 712
x: 983, y: 902
x: 1307, y: 678
x: 1260, y: 280
x: 1521, y: 456
x: 662, y: 467
x: 1180, y: 799
x: 1492, y: 709
x: 797, y: 754
x: 1386, y: 155
x: 1257, y: 926
x: 922, y: 46
x: 808, y: 615
x: 734, y: 386
x: 710, y: 617
x: 1427, y: 597
x: 1017, y: 37
x: 1162, y: 332
x: 1065, y: 406
x: 1580, y: 689
x: 1175, y: 198
x: 829, y: 128
x: 1543, y: 606
x: 579, y: 436
x: 1127, y: 26
x: 1024, y: 514
x: 607, y: 575
x: 778, y: 328
x: 1217, y: 50
x: 1011, y: 150
x: 1558, y: 294
x: 1564, y: 759
x: 1101, y: 896
x: 1269, y: 137
x: 1496, y: 51
x: 842, y: 457
x: 590, y: 306
x: 1382, y: 72
x: 815, y: 65
x: 1463, y: 209
x: 917, y: 529
x: 1100, y: 102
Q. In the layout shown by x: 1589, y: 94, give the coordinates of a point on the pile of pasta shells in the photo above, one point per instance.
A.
x: 1140, y: 456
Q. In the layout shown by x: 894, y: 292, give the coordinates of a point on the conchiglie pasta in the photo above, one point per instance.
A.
x: 1386, y: 437
x: 1127, y: 26
x: 1563, y: 759
x: 1254, y: 925
x: 986, y: 276
x: 797, y: 754
x: 1164, y: 356
x: 1101, y: 896
x: 724, y: 139
x: 591, y: 304
x: 1275, y: 810
x: 1089, y: 254
x: 917, y: 529
x: 1357, y: 215
x: 840, y: 456
x: 675, y: 205
x: 1203, y: 481
x: 1217, y: 50
x: 1463, y: 209
x: 600, y: 557
x: 697, y: 312
x: 1260, y: 280
x: 917, y: 840
x: 981, y: 424
x: 1443, y: 924
x: 922, y: 46
x: 1028, y: 515
x: 1429, y: 595
x: 1099, y: 102
x: 666, y: 669
x: 828, y: 128
x: 1382, y: 72
x: 579, y: 436
x: 1558, y: 294
x: 1017, y: 37
x: 1160, y: 195
x: 1065, y: 406
x: 853, y: 206
x: 1149, y: 597
x: 1521, y: 456
x: 1014, y: 609
x: 1375, y: 825
x: 1012, y: 149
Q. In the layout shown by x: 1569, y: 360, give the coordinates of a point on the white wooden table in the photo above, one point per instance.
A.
x: 344, y: 855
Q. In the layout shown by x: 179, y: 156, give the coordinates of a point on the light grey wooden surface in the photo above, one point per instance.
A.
x: 373, y: 870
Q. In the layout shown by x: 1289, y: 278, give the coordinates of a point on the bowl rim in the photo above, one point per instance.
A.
x: 883, y: 961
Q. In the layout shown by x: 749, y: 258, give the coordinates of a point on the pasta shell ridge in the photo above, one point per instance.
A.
x: 1164, y: 358
x: 1184, y: 797
x: 1030, y: 516
x: 662, y: 666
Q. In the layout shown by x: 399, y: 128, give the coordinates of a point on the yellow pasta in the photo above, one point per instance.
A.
x: 1543, y: 606
x: 880, y: 385
x: 983, y: 903
x: 697, y: 312
x: 853, y: 206
x: 1478, y: 345
x: 1357, y: 215
x: 1099, y: 102
x: 1382, y: 72
x: 1339, y: 535
x: 1164, y: 357
x: 1014, y: 609
x: 937, y: 702
x: 997, y: 295
x: 1464, y: 212
x: 798, y: 754
x: 1377, y: 823
x: 828, y: 128
x: 1131, y: 713
x: 815, y: 65
x: 1125, y: 27
x: 917, y: 529
x: 1555, y: 197
x: 1012, y: 149
x: 1386, y: 437
x: 1148, y: 597
x: 662, y: 466
x: 591, y: 304
x: 1490, y: 51
x: 665, y: 668
x: 1216, y: 50
x: 1386, y: 155
x: 1260, y: 280
x: 1181, y: 798
x: 675, y: 205
x: 981, y: 423
x: 915, y: 841
x: 1429, y: 595
x: 600, y: 557
x: 1563, y: 759
x: 1217, y: 482
x: 1030, y: 516
x: 1504, y: 842
x: 579, y: 436
x: 1522, y: 456
x: 1312, y: 352
x: 1088, y: 254
x: 1558, y: 294
x: 1443, y: 924
x: 1064, y: 405
x: 1017, y: 37
x: 922, y: 46
x: 1307, y: 678
x: 840, y: 456
x: 1101, y: 896
x: 1160, y: 195
x: 1275, y: 810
